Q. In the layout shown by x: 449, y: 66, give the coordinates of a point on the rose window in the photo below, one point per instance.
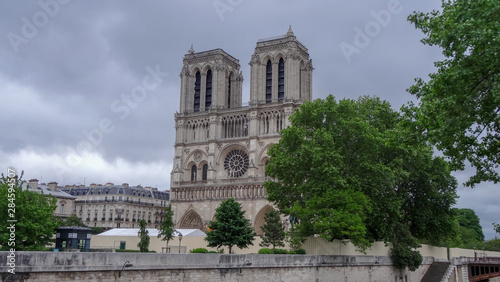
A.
x: 236, y: 163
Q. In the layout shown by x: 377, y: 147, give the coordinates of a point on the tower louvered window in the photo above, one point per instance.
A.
x: 229, y: 91
x: 208, y: 96
x: 281, y: 80
x: 269, y: 81
x: 197, y: 88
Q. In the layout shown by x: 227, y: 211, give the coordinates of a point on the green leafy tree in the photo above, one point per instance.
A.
x: 144, y: 237
x: 73, y: 220
x: 166, y: 231
x: 35, y: 224
x: 230, y: 227
x: 496, y: 226
x: 361, y: 174
x: 294, y: 239
x: 274, y: 231
x: 459, y: 105
x: 96, y: 230
x: 470, y: 230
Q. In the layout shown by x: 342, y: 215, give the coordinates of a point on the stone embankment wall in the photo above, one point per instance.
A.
x: 59, y: 266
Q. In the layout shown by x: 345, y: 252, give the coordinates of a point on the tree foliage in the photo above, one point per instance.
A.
x: 143, y: 244
x: 230, y: 227
x: 73, y: 220
x: 360, y: 174
x: 166, y: 231
x: 470, y: 232
x: 459, y: 106
x: 496, y: 227
x: 33, y: 212
x: 274, y: 231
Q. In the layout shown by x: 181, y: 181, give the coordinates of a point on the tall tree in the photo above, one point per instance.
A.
x: 460, y: 104
x: 496, y: 226
x: 73, y: 220
x: 274, y: 231
x: 166, y: 231
x: 468, y: 220
x: 34, y: 224
x: 230, y: 227
x: 360, y: 174
x: 144, y: 237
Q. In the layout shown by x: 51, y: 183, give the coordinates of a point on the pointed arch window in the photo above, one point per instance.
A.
x: 204, y: 173
x: 229, y: 91
x: 269, y: 81
x: 281, y: 80
x: 208, y: 93
x: 193, y: 173
x: 197, y: 88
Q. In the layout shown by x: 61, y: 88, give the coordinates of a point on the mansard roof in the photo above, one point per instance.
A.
x: 123, y: 189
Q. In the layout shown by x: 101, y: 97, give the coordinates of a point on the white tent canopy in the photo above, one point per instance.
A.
x: 152, y: 232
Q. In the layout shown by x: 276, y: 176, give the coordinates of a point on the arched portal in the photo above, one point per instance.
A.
x: 191, y: 220
x: 260, y: 221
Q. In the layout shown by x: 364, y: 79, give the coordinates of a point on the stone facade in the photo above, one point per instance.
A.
x: 60, y: 266
x: 118, y: 206
x: 221, y: 146
x: 65, y: 203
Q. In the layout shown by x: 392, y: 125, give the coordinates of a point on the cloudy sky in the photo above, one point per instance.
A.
x: 68, y: 68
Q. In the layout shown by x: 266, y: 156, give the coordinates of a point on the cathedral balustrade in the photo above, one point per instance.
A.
x: 218, y: 192
x: 234, y: 126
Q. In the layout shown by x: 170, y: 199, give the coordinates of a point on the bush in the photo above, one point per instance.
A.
x: 301, y: 252
x: 292, y: 252
x: 280, y: 251
x: 266, y: 251
x: 130, y: 251
x: 211, y: 252
x: 492, y: 245
x: 198, y: 251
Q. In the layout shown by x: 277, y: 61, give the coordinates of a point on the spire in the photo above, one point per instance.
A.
x: 290, y: 32
x: 191, y: 50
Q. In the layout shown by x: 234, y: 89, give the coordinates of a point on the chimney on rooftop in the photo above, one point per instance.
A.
x: 53, y: 186
x: 125, y: 184
x: 109, y: 184
x: 33, y: 183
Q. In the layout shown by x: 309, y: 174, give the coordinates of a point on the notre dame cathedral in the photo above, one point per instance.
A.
x: 220, y: 145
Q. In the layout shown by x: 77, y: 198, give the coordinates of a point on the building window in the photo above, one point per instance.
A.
x: 281, y: 80
x: 205, y: 172
x: 208, y: 92
x: 62, y: 209
x: 236, y: 163
x: 265, y: 171
x: 269, y: 81
x: 193, y: 173
x: 229, y: 91
x: 197, y: 88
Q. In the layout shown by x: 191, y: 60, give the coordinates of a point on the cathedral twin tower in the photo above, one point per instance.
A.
x: 220, y: 146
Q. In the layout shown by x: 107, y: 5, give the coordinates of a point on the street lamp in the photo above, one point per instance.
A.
x: 180, y: 239
x: 126, y: 264
x: 247, y: 263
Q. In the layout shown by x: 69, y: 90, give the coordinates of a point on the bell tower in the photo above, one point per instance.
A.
x: 210, y: 80
x: 280, y: 71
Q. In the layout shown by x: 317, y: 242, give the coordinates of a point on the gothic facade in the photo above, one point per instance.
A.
x: 221, y: 146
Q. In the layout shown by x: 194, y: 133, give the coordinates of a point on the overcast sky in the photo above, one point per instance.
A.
x: 67, y: 68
